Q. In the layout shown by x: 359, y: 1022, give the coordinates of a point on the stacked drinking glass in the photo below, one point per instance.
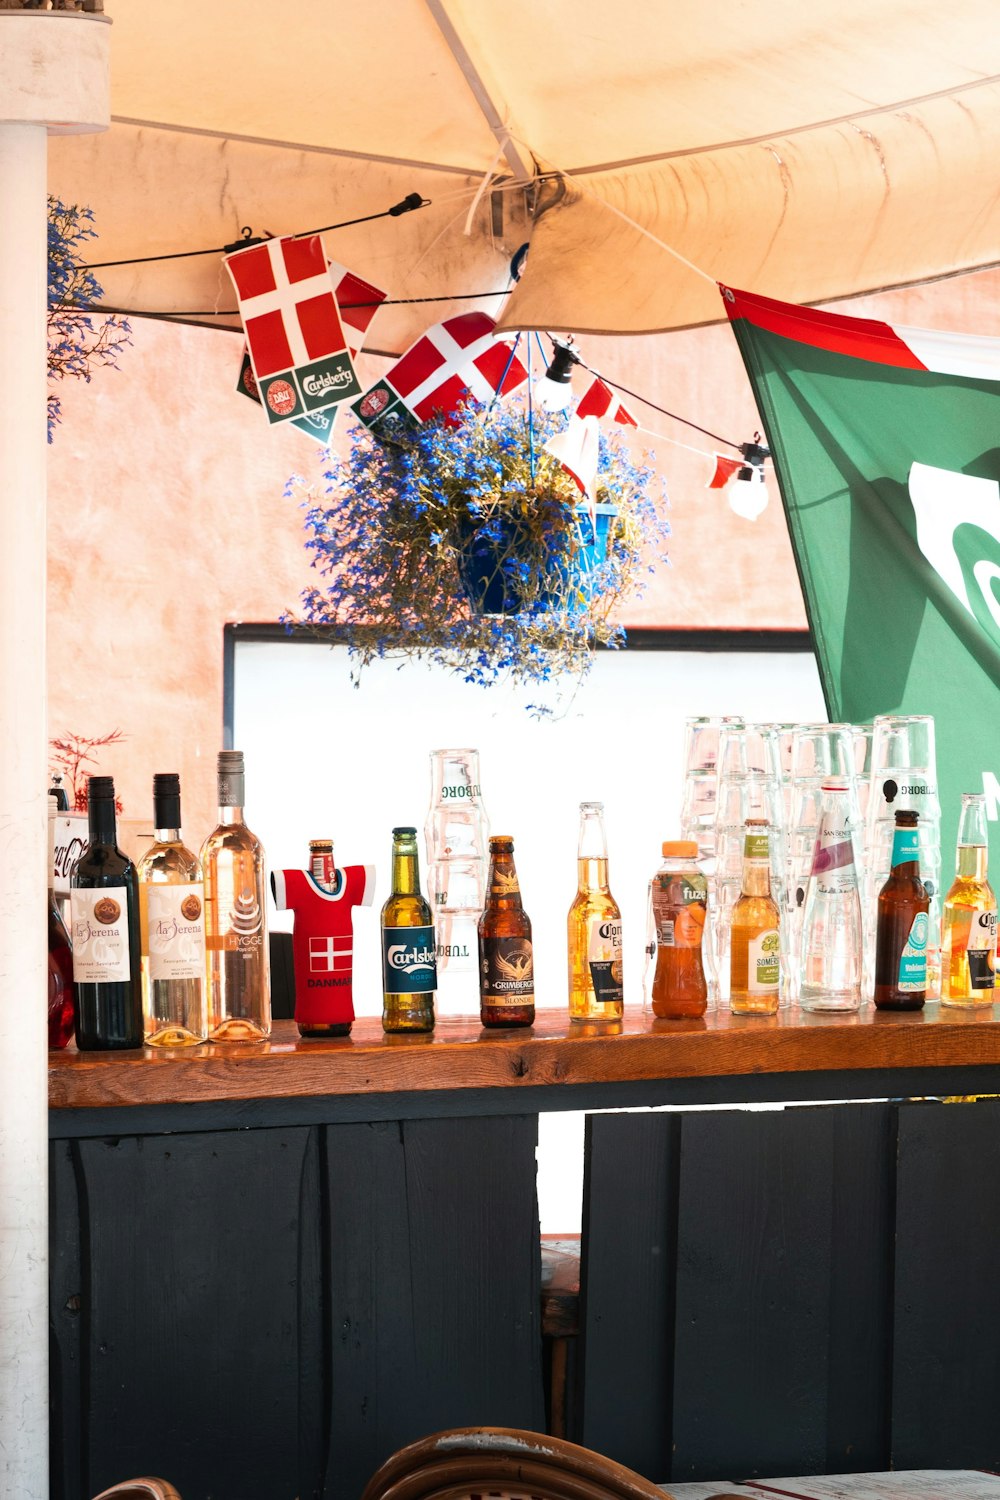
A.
x: 456, y: 833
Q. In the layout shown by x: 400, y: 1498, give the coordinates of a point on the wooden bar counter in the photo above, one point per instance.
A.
x: 274, y: 1265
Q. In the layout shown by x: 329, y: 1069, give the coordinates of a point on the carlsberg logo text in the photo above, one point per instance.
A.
x: 408, y: 960
x: 315, y: 385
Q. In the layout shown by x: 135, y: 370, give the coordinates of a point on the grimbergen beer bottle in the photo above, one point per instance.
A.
x: 506, y: 959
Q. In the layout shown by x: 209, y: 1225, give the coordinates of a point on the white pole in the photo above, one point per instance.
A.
x: 54, y: 75
x: 24, y: 1291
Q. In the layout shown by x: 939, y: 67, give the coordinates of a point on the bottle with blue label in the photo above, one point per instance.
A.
x: 409, y: 960
x: 901, y: 924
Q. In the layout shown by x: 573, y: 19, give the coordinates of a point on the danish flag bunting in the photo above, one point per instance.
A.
x: 600, y: 401
x: 455, y: 361
x: 577, y: 448
x: 357, y: 302
x: 298, y: 351
x: 725, y: 468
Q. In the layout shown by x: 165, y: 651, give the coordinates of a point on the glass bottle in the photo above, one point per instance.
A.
x: 901, y: 924
x: 831, y: 947
x: 104, y: 916
x: 594, y: 928
x: 62, y: 996
x: 409, y: 964
x: 678, y: 901
x: 755, y: 965
x: 232, y: 859
x: 969, y: 919
x: 506, y: 957
x: 172, y: 923
x: 322, y: 867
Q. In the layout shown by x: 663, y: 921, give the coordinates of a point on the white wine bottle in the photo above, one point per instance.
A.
x: 232, y: 858
x: 172, y: 921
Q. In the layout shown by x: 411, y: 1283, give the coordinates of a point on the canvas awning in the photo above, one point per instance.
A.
x: 807, y: 152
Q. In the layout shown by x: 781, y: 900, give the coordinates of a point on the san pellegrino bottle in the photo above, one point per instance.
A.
x: 409, y: 961
x: 902, y: 924
x: 832, y: 948
x: 232, y: 859
x: 104, y: 916
x: 969, y: 919
x: 755, y: 965
x: 594, y: 928
x: 172, y: 921
x: 506, y: 955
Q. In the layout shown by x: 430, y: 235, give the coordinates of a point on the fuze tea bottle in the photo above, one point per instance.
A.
x: 969, y: 919
x: 678, y: 900
x: 594, y: 928
x: 901, y: 924
x: 755, y: 967
x: 409, y: 963
x: 506, y: 956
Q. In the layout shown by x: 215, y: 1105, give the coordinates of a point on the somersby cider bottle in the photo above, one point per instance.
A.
x: 755, y: 970
x: 506, y: 959
x: 901, y: 927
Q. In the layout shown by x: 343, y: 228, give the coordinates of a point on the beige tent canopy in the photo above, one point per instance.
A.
x: 804, y: 151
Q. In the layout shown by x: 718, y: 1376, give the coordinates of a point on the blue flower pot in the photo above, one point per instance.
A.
x: 491, y: 591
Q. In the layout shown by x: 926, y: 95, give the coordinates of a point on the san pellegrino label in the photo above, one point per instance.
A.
x: 905, y: 845
x: 176, y: 930
x: 604, y: 957
x: 762, y: 970
x: 913, y: 959
x: 833, y: 862
x: 409, y: 960
x: 99, y: 920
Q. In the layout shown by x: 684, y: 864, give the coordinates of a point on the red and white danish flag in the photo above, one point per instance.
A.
x: 328, y: 955
x: 298, y: 349
x: 453, y: 362
x: 725, y: 468
x: 598, y: 400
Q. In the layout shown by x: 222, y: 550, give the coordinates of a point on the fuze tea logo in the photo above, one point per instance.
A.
x: 958, y: 531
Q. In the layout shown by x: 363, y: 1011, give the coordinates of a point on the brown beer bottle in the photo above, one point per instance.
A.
x: 901, y: 928
x: 506, y: 962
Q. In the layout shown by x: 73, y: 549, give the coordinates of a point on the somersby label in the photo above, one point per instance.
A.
x: 763, y: 969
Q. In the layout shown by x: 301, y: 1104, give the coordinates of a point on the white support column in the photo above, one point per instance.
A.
x: 24, y: 1288
x: 53, y: 75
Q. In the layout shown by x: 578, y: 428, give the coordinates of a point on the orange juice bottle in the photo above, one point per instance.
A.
x: 678, y: 896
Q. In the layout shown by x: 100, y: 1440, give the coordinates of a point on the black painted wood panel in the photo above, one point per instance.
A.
x: 192, y: 1254
x: 946, y: 1378
x: 735, y: 1286
x: 435, y: 1285
x: 66, y: 1434
x: 624, y: 1370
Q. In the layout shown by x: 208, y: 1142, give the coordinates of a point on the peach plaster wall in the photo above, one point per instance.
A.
x: 167, y: 520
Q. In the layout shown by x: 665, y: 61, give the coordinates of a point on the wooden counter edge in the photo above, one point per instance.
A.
x: 517, y: 1060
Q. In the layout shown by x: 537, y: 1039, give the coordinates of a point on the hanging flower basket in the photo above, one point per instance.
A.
x: 466, y: 544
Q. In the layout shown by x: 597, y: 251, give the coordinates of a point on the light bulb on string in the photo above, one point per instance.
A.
x: 554, y: 391
x: 748, y: 495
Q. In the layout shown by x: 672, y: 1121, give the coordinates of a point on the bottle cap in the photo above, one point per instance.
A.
x: 101, y: 787
x: 230, y: 762
x: 166, y: 784
x: 404, y: 833
x: 906, y: 818
x: 323, y: 846
x: 679, y: 849
x: 501, y: 838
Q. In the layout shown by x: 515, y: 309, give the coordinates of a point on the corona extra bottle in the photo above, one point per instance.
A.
x: 969, y: 922
x: 594, y: 928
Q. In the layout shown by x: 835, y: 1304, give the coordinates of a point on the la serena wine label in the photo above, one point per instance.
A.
x: 99, y: 919
x: 176, y: 930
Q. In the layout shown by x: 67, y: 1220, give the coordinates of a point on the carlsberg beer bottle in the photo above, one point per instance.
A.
x: 594, y: 928
x: 969, y: 921
x: 409, y: 965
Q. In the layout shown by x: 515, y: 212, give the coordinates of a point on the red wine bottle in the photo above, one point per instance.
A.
x: 104, y: 912
x: 62, y: 997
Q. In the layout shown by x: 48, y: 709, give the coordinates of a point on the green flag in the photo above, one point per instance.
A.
x: 886, y: 446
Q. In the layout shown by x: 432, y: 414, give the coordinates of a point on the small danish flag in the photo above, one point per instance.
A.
x: 453, y: 362
x: 328, y: 955
x: 725, y: 468
x: 298, y: 351
x: 598, y: 400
